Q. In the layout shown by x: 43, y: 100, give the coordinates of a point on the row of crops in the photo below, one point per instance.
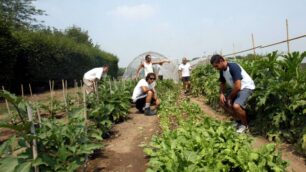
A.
x: 53, y: 142
x: 277, y: 108
x: 191, y: 141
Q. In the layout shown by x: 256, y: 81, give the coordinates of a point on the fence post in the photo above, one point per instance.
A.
x: 287, y: 29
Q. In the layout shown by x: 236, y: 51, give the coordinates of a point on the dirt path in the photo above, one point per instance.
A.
x: 296, y: 162
x: 122, y: 151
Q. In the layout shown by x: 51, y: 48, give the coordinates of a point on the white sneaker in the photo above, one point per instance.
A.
x: 241, y: 129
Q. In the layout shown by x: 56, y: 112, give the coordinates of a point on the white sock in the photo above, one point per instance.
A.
x: 147, y: 105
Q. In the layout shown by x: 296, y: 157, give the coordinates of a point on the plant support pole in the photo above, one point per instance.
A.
x: 287, y: 29
x: 253, y: 43
x: 85, y: 125
x: 65, y: 101
x: 6, y: 103
x: 34, y: 146
x: 30, y: 90
x: 22, y: 93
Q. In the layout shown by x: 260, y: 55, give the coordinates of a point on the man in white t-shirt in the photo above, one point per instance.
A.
x: 144, y: 95
x: 92, y: 76
x: 242, y: 86
x: 184, y: 73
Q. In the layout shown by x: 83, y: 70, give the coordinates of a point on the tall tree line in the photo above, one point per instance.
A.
x: 30, y: 53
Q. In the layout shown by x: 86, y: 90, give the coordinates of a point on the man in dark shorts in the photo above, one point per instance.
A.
x: 184, y: 73
x: 144, y: 95
x: 241, y: 84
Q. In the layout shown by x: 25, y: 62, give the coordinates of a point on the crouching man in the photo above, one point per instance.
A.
x: 241, y: 88
x: 144, y: 95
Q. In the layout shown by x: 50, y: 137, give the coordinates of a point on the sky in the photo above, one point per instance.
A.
x: 180, y: 28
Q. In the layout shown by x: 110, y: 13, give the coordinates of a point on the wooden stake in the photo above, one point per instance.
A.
x: 253, y: 43
x: 6, y: 103
x: 85, y: 124
x: 63, y: 86
x: 30, y: 90
x: 39, y: 117
x: 50, y: 85
x: 66, y: 86
x: 22, y: 93
x: 34, y: 147
x: 287, y: 29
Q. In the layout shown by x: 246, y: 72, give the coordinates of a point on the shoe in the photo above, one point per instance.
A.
x: 241, y: 129
x: 149, y: 112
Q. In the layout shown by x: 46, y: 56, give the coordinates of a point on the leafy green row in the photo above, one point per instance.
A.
x: 199, y: 143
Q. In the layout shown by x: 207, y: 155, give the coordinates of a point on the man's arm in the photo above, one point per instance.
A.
x: 235, y: 90
x: 222, y: 91
x: 145, y: 89
x: 161, y: 62
x: 138, y: 70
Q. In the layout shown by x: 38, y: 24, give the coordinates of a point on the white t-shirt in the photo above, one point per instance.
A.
x: 137, y: 93
x: 185, y: 68
x: 95, y: 73
x: 236, y: 72
x: 148, y: 68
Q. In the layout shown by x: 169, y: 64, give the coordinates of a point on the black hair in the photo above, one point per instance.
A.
x: 216, y: 59
x: 149, y: 75
x: 147, y: 56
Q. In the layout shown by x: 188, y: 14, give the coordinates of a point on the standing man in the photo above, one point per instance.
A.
x: 147, y: 65
x: 184, y: 73
x: 92, y: 76
x: 241, y: 85
x: 160, y: 71
x: 144, y: 95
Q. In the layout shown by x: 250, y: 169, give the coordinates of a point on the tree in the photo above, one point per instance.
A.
x: 20, y: 13
x: 78, y: 35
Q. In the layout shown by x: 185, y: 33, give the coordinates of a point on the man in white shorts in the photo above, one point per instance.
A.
x: 92, y: 76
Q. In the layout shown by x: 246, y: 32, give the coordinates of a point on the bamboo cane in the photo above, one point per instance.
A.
x: 30, y: 88
x: 85, y: 125
x: 65, y: 101
x: 22, y: 93
x: 253, y: 43
x: 34, y: 146
x: 6, y: 103
x: 287, y: 30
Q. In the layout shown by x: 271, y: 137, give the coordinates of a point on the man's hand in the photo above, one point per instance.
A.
x: 229, y: 102
x: 222, y: 99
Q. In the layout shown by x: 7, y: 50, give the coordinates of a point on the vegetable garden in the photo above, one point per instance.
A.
x: 189, y: 139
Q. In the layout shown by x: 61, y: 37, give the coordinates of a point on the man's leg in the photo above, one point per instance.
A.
x: 240, y: 113
x: 147, y: 109
x: 88, y: 86
x: 239, y: 106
